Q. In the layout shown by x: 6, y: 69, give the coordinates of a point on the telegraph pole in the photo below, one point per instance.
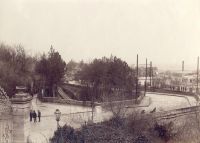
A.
x: 183, y: 66
x: 137, y: 77
x: 146, y: 78
x: 182, y: 88
x: 197, y: 75
x: 150, y: 73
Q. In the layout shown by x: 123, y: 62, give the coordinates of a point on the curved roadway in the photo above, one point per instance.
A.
x: 77, y: 115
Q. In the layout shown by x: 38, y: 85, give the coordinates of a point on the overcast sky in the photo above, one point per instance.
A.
x: 164, y: 31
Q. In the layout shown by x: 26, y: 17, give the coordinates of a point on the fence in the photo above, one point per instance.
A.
x: 177, y: 112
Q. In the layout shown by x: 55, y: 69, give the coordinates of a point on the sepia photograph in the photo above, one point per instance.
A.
x: 99, y: 71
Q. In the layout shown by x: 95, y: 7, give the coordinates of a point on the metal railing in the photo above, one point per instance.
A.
x: 177, y: 112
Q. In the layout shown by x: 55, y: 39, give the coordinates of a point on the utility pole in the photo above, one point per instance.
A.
x: 182, y: 88
x: 152, y: 76
x: 197, y: 75
x: 137, y: 77
x: 183, y: 66
x: 150, y: 73
x: 146, y: 78
x: 92, y: 91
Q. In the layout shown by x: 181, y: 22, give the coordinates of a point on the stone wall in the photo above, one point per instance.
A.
x: 6, y: 129
x: 89, y: 103
x: 67, y: 101
x: 124, y: 102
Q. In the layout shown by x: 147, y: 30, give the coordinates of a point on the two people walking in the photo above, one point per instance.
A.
x: 34, y: 115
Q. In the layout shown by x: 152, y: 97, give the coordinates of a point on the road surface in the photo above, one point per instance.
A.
x: 76, y: 116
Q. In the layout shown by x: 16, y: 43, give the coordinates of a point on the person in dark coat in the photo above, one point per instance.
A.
x: 39, y: 115
x: 31, y: 115
x: 34, y: 116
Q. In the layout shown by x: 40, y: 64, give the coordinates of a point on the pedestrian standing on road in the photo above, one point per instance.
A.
x: 34, y: 116
x: 39, y: 115
x: 31, y: 115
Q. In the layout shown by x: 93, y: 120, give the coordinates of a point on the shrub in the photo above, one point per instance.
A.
x: 142, y: 139
x: 67, y: 134
x: 165, y: 131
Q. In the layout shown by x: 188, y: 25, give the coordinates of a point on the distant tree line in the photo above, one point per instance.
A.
x: 101, y: 78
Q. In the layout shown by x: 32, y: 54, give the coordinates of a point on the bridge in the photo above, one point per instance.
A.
x: 69, y: 91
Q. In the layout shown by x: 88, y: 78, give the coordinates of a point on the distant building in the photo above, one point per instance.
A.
x: 179, y: 81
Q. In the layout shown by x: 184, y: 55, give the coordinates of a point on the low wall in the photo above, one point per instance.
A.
x: 89, y: 103
x: 160, y: 90
x: 115, y: 103
x: 67, y: 101
x: 124, y: 102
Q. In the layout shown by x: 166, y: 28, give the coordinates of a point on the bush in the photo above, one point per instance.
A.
x: 134, y: 129
x: 141, y: 139
x: 67, y: 133
x: 111, y: 131
x: 165, y: 131
x: 116, y: 121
